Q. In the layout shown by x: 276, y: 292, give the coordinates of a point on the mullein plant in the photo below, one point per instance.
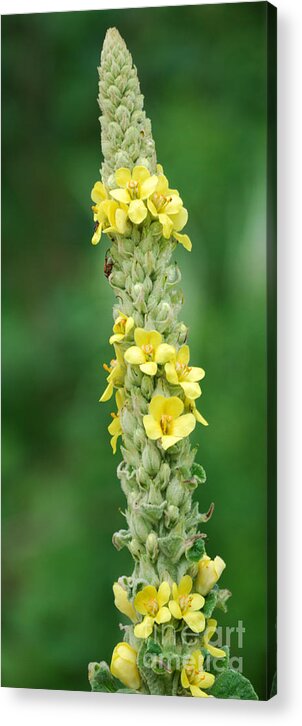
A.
x: 168, y: 601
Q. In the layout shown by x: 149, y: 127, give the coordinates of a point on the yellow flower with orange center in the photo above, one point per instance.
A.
x: 133, y: 188
x: 178, y: 372
x: 151, y: 603
x: 116, y: 372
x: 166, y: 205
x: 186, y: 605
x: 148, y: 351
x: 166, y: 422
x: 121, y: 328
x: 194, y: 677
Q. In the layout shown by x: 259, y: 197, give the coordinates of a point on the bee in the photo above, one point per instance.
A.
x: 108, y: 265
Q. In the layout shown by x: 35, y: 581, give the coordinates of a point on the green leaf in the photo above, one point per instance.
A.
x: 194, y: 553
x: 199, y: 473
x: 231, y: 684
x: 101, y: 679
x: 210, y: 603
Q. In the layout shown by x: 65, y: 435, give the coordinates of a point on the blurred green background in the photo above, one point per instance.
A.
x: 203, y: 72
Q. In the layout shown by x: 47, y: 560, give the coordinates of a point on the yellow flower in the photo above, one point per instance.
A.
x: 116, y: 215
x: 178, y: 372
x: 208, y: 634
x: 121, y: 328
x: 98, y: 194
x: 133, y: 189
x: 122, y: 603
x: 148, y: 351
x: 151, y: 603
x: 165, y: 421
x: 194, y: 677
x: 166, y: 205
x: 116, y: 372
x: 114, y: 427
x: 186, y: 605
x: 123, y: 666
x: 190, y: 405
x: 209, y: 572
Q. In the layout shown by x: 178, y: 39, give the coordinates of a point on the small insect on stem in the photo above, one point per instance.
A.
x: 108, y: 265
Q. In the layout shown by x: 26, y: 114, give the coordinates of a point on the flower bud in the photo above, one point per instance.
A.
x: 164, y: 474
x: 175, y: 492
x: 182, y: 331
x: 128, y: 421
x: 117, y: 279
x: 171, y: 515
x: 123, y: 665
x: 209, y: 572
x: 147, y: 386
x: 134, y: 548
x: 122, y: 603
x: 151, y: 458
x: 152, y: 546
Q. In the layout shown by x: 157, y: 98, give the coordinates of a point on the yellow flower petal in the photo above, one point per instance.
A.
x: 197, y: 601
x: 163, y: 593
x: 120, y: 221
x: 154, y: 338
x: 174, y: 407
x: 174, y: 207
x: 183, y: 355
x: 148, y: 187
x: 137, y: 211
x: 184, y: 679
x: 175, y: 609
x: 183, y: 425
x: 149, y: 368
x: 200, y: 418
x: 163, y: 615
x: 215, y: 652
x: 152, y: 208
x: 152, y: 428
x: 98, y: 193
x: 113, y: 443
x: 123, y: 176
x: 144, y: 629
x: 198, y: 693
x: 121, y: 195
x: 184, y: 240
x: 195, y: 621
x: 180, y: 219
x: 207, y: 680
x: 195, y: 374
x: 140, y: 174
x: 116, y: 338
x: 107, y: 393
x: 192, y: 390
x: 185, y: 585
x: 141, y: 336
x: 134, y: 355
x: 157, y: 407
x: 167, y: 225
x: 171, y: 374
x: 164, y: 353
x: 143, y: 597
x: 168, y: 441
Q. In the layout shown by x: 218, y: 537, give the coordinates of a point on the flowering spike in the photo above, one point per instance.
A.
x: 174, y: 582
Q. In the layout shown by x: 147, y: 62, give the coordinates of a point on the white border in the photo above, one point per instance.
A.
x: 31, y: 708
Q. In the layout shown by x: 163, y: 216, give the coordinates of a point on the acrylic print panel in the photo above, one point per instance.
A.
x: 182, y: 226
